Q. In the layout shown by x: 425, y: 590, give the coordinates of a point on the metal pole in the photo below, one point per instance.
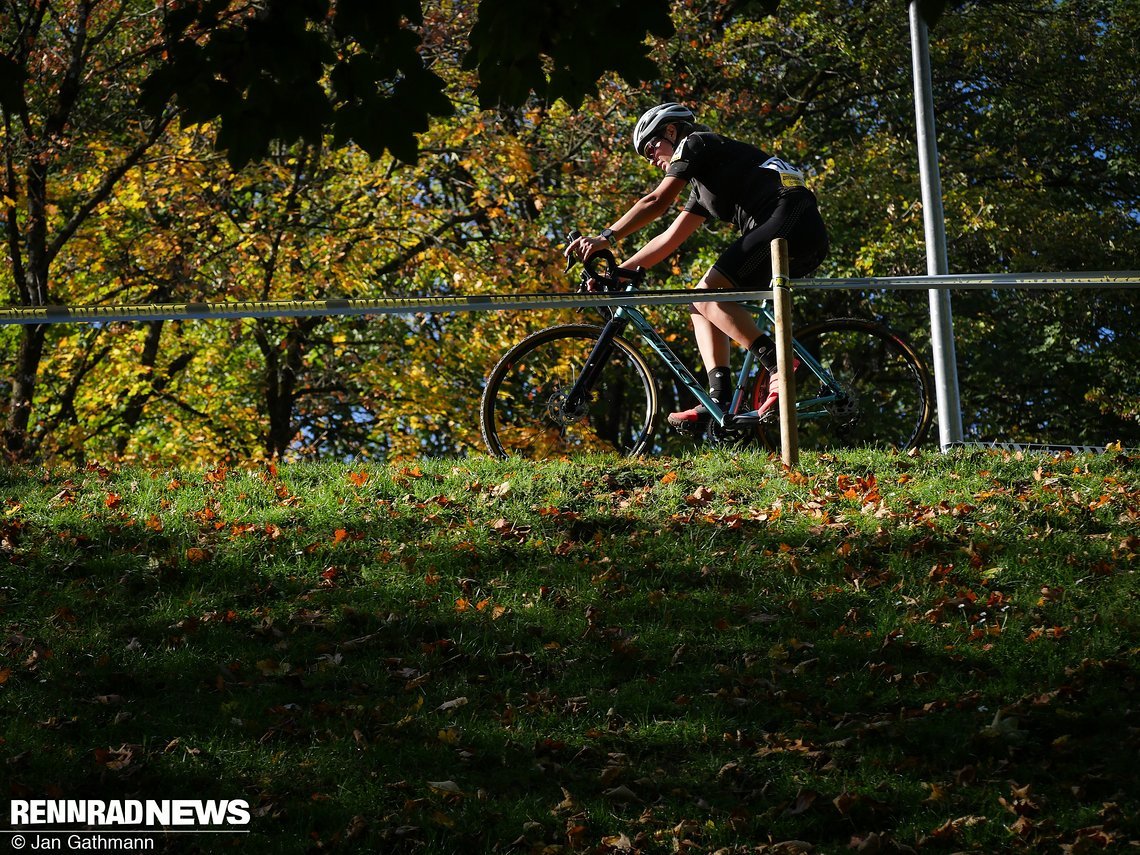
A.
x: 941, y: 318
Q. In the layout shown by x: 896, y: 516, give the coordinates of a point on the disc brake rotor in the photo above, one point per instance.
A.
x: 559, y: 414
x: 845, y: 410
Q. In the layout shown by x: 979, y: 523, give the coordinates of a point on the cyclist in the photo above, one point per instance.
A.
x: 763, y: 196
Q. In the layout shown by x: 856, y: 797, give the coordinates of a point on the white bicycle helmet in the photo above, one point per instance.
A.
x: 656, y: 117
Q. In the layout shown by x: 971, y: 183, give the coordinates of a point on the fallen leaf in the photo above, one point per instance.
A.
x: 700, y: 497
x: 619, y: 843
x: 621, y: 795
x: 804, y: 800
x: 452, y: 705
x: 567, y: 804
x: 448, y: 736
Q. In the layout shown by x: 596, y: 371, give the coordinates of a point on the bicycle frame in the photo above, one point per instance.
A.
x: 625, y: 316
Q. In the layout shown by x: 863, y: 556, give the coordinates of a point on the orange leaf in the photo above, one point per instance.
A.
x: 358, y: 479
x: 701, y: 496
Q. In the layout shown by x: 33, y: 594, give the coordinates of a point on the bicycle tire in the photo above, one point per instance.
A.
x: 890, y: 402
x: 521, y: 413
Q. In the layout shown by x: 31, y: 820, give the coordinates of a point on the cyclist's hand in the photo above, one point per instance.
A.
x: 583, y: 247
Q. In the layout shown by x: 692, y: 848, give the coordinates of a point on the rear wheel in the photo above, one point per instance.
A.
x: 525, y: 411
x: 887, y: 398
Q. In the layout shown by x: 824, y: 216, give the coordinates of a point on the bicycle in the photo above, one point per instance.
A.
x: 576, y: 388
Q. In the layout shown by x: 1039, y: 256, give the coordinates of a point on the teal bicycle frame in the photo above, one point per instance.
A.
x: 626, y: 316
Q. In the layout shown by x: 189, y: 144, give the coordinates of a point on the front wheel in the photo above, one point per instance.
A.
x: 525, y: 411
x: 885, y: 398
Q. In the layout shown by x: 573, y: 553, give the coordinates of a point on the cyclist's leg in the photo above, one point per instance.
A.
x: 714, y: 350
x: 747, y: 264
x: 715, y: 323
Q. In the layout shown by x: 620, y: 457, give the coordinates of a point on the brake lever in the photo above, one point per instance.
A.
x: 571, y: 260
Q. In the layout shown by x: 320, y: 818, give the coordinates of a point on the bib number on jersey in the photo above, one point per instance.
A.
x: 789, y: 175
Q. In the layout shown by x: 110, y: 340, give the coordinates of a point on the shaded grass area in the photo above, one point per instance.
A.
x: 933, y: 653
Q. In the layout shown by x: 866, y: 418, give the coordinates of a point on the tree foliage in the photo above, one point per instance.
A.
x: 291, y: 71
x: 72, y: 130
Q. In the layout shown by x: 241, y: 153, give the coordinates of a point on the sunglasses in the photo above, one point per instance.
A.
x: 650, y: 149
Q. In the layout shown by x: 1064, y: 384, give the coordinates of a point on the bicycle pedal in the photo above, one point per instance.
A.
x: 753, y: 417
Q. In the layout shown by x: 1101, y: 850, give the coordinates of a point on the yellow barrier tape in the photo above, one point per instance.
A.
x: 377, y: 306
x: 26, y: 315
x: 979, y: 281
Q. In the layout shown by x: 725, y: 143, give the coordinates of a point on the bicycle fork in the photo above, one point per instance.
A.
x: 577, y: 397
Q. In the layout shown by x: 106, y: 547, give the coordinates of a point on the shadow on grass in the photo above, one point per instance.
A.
x: 727, y: 682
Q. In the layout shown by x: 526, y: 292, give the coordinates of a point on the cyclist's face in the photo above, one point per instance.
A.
x: 658, y: 151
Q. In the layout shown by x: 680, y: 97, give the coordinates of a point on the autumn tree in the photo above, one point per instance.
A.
x: 73, y: 74
x: 500, y: 174
x: 67, y: 65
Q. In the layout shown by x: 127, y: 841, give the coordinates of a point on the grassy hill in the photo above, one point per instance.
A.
x: 874, y: 652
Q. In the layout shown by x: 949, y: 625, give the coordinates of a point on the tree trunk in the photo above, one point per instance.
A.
x: 148, y: 362
x: 23, y: 389
x: 284, y: 364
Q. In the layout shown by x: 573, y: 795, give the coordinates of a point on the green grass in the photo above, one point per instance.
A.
x: 932, y: 653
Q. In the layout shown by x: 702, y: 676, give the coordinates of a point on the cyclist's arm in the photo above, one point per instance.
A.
x: 666, y: 243
x: 652, y: 206
x: 645, y: 210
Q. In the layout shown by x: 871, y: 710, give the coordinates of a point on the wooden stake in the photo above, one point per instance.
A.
x: 782, y: 300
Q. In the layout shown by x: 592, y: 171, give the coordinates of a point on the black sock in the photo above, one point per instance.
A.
x: 765, y: 350
x: 720, y: 384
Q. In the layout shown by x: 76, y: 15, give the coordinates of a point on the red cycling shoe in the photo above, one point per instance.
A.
x: 692, y: 422
x: 767, y: 407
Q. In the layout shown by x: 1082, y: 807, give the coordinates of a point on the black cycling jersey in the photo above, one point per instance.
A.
x: 761, y: 195
x: 731, y: 181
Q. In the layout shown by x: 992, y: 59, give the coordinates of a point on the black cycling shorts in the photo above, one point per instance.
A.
x: 747, y: 263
